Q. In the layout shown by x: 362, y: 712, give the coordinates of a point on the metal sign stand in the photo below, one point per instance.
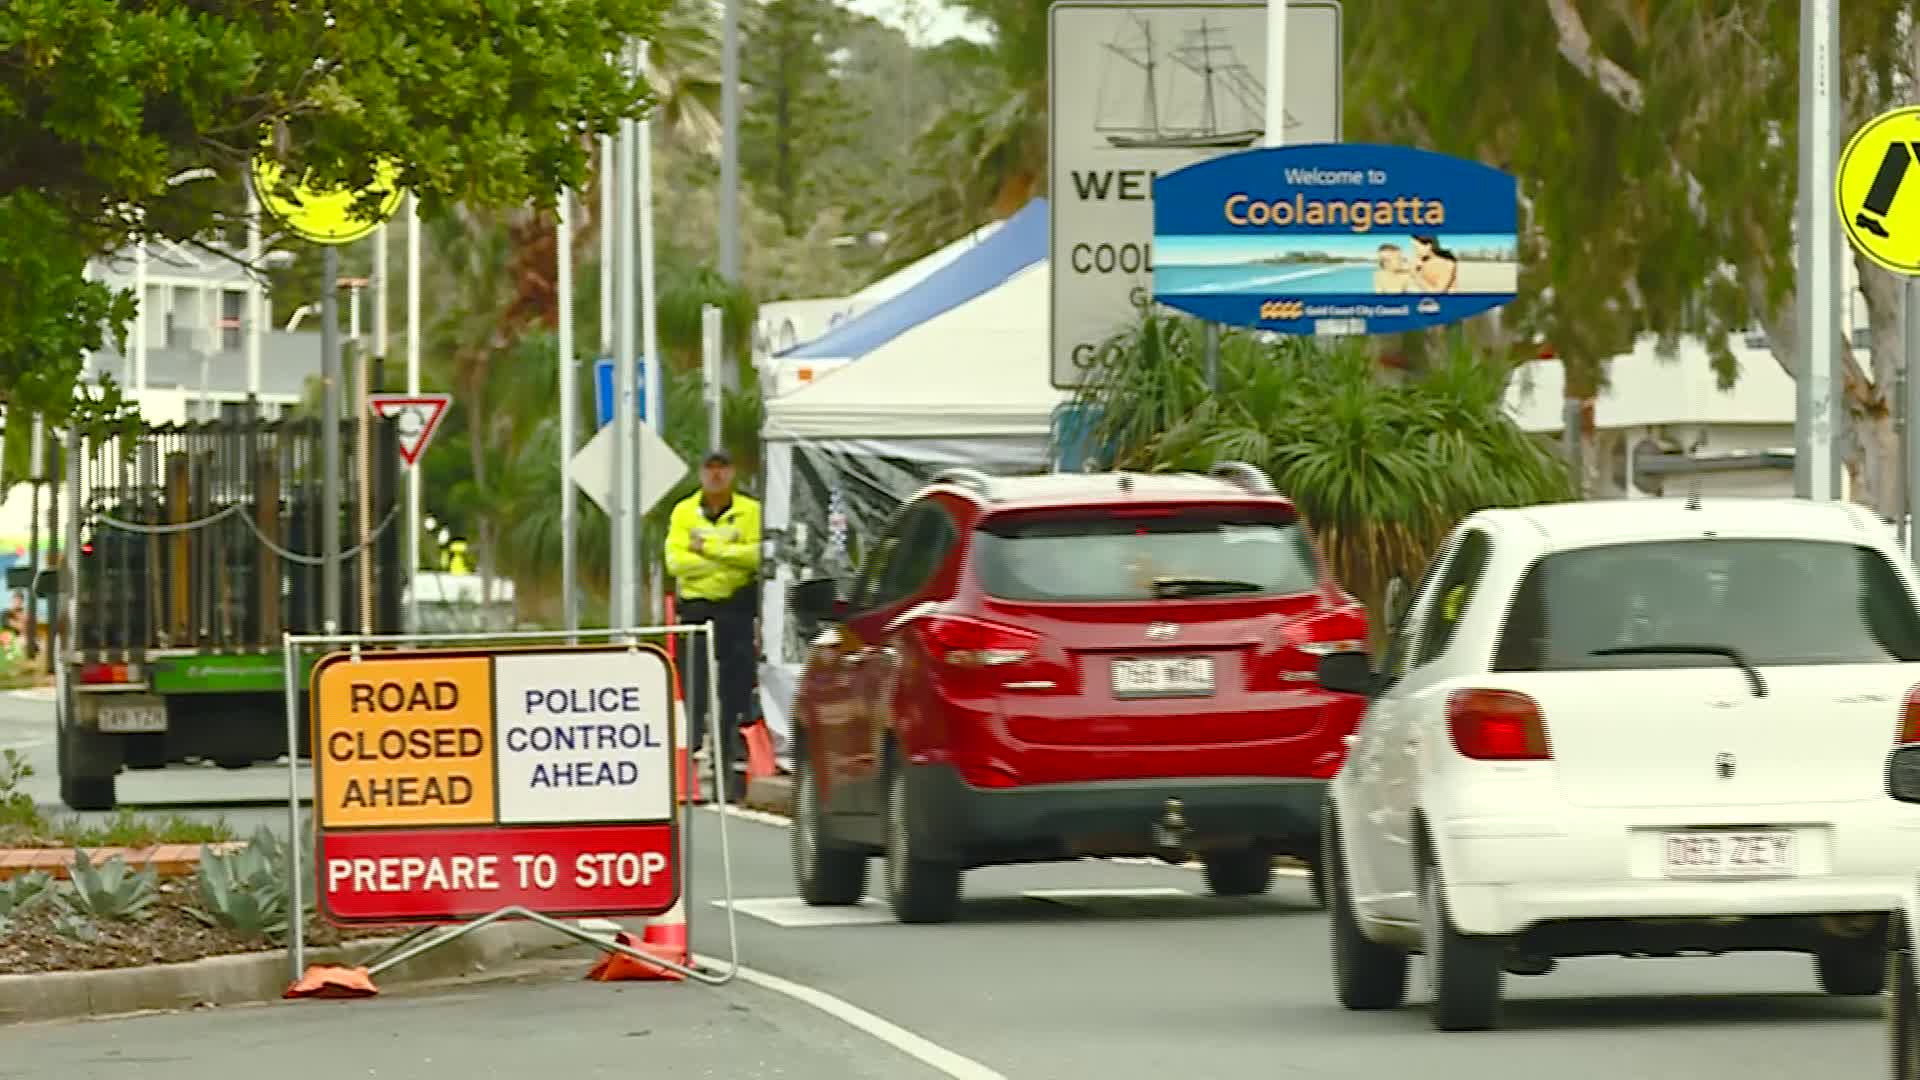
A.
x: 295, y: 646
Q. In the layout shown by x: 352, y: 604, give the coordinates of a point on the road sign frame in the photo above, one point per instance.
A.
x: 348, y: 648
x: 438, y: 403
x: 1085, y: 308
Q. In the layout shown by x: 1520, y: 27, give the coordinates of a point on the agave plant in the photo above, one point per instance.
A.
x: 24, y: 891
x: 112, y: 890
x: 248, y: 890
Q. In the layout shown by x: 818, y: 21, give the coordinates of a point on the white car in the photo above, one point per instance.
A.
x: 1648, y: 728
x: 1903, y: 976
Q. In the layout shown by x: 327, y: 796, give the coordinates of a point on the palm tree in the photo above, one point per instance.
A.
x: 1381, y: 469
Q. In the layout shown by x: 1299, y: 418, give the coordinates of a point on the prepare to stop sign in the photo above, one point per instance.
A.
x: 452, y: 784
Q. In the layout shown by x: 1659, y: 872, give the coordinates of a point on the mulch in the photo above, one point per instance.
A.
x: 169, y: 934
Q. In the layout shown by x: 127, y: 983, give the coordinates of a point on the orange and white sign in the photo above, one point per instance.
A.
x: 453, y: 783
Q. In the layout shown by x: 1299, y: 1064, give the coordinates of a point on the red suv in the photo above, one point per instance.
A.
x: 1043, y: 668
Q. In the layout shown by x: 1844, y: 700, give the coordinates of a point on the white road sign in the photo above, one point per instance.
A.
x: 416, y: 417
x: 660, y: 467
x: 1137, y: 89
x: 582, y: 738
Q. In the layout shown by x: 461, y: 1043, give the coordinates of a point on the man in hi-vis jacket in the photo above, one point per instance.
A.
x: 713, y: 556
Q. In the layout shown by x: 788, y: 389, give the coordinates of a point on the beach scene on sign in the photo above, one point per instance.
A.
x: 1343, y: 264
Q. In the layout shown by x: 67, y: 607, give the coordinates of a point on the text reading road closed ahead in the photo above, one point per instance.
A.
x: 404, y: 742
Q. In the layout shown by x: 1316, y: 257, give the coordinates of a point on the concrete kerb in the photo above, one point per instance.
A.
x: 252, y: 978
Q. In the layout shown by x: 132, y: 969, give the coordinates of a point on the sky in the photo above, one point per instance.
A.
x: 944, y: 21
x: 1227, y: 250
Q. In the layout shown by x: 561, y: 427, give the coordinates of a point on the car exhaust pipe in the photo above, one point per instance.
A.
x: 1170, y: 833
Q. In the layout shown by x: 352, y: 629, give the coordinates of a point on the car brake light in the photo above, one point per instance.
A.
x: 1497, y: 725
x: 1910, y: 718
x: 106, y: 674
x: 974, y: 644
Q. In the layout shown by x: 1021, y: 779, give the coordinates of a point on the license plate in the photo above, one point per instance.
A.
x: 1730, y: 854
x: 1181, y: 676
x: 133, y: 719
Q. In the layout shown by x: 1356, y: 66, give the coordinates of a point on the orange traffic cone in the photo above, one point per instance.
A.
x: 667, y: 935
x: 619, y: 967
x: 323, y: 981
x: 760, y: 761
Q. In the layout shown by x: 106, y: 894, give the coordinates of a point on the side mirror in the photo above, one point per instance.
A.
x: 816, y: 600
x: 1348, y: 673
x: 1903, y: 773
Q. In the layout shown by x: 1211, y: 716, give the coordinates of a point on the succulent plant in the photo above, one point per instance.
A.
x: 25, y: 890
x: 245, y: 890
x: 76, y: 926
x: 112, y: 890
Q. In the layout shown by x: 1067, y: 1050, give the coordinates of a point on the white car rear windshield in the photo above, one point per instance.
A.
x: 1775, y: 601
x: 1090, y: 557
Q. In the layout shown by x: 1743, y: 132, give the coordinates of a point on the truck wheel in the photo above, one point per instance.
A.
x: 825, y: 873
x: 920, y: 890
x: 88, y: 792
x: 1247, y: 872
x: 82, y: 757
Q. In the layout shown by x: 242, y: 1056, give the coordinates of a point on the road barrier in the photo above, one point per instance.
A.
x: 459, y: 780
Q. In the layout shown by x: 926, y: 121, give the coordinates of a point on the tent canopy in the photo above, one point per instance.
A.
x: 980, y: 370
x: 1020, y: 242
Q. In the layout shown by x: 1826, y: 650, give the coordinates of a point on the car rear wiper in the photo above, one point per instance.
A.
x: 1168, y: 588
x: 1728, y: 651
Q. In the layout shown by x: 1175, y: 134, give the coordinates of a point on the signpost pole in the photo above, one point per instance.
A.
x: 569, y: 597
x: 650, y: 326
x: 1912, y: 370
x: 712, y: 343
x: 330, y: 440
x: 1276, y: 73
x: 620, y: 600
x: 1819, y: 334
x: 413, y: 390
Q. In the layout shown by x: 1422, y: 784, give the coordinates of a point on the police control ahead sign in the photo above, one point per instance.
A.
x: 453, y: 784
x: 1335, y: 238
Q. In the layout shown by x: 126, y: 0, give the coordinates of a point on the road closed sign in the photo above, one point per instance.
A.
x: 453, y: 784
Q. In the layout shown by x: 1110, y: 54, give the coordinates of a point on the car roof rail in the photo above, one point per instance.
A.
x: 1248, y: 478
x: 972, y: 479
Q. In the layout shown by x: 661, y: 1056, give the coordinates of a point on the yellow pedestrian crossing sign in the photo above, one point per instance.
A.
x: 1877, y: 190
x: 324, y: 215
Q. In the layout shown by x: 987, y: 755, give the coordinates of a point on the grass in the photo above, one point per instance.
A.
x: 23, y: 825
x: 19, y: 673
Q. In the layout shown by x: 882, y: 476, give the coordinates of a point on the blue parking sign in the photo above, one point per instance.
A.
x: 603, y: 390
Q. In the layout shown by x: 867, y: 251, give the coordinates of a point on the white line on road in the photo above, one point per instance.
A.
x: 928, y: 1053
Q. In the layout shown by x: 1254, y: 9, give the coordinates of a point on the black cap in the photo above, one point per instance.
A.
x: 717, y: 457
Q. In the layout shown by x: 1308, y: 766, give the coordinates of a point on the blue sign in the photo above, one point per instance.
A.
x: 603, y: 390
x: 1335, y: 238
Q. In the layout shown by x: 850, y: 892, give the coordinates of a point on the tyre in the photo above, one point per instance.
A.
x: 86, y: 793
x: 920, y: 890
x: 1247, y: 872
x: 1466, y: 973
x: 1317, y: 882
x: 1852, y: 967
x: 824, y: 873
x: 1366, y: 974
x: 1901, y: 1018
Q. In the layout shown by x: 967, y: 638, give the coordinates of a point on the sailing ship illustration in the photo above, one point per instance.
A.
x: 1231, y: 102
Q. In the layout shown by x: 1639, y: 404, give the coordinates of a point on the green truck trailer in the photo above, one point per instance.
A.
x: 187, y: 550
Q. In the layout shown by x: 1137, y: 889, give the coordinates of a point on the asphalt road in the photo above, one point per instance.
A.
x: 1136, y: 974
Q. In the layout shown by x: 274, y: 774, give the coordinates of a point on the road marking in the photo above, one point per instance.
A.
x: 1068, y: 896
x: 24, y: 744
x: 791, y: 912
x: 928, y: 1053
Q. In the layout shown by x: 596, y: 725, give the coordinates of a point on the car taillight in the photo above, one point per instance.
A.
x: 107, y: 674
x: 974, y: 651
x: 1304, y: 641
x: 1497, y: 725
x: 1910, y: 719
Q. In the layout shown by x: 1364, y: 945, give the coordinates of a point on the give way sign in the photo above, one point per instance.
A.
x: 416, y: 417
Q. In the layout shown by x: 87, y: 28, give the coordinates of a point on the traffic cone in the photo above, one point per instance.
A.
x: 667, y: 935
x: 760, y: 762
x: 619, y: 967
x: 688, y: 782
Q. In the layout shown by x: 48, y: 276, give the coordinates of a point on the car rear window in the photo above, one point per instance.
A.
x: 1775, y: 601
x: 1094, y: 557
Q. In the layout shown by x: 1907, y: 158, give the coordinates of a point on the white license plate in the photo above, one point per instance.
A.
x: 1730, y: 854
x: 1178, y: 676
x: 133, y: 719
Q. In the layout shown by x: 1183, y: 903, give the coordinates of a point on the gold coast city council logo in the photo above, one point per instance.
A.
x: 1282, y: 309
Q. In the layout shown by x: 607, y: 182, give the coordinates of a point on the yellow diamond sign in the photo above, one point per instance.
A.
x: 325, y: 215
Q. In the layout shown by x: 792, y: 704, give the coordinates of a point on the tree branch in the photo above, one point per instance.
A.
x: 1576, y: 44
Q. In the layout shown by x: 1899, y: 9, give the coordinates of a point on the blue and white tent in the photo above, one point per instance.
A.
x: 952, y: 371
